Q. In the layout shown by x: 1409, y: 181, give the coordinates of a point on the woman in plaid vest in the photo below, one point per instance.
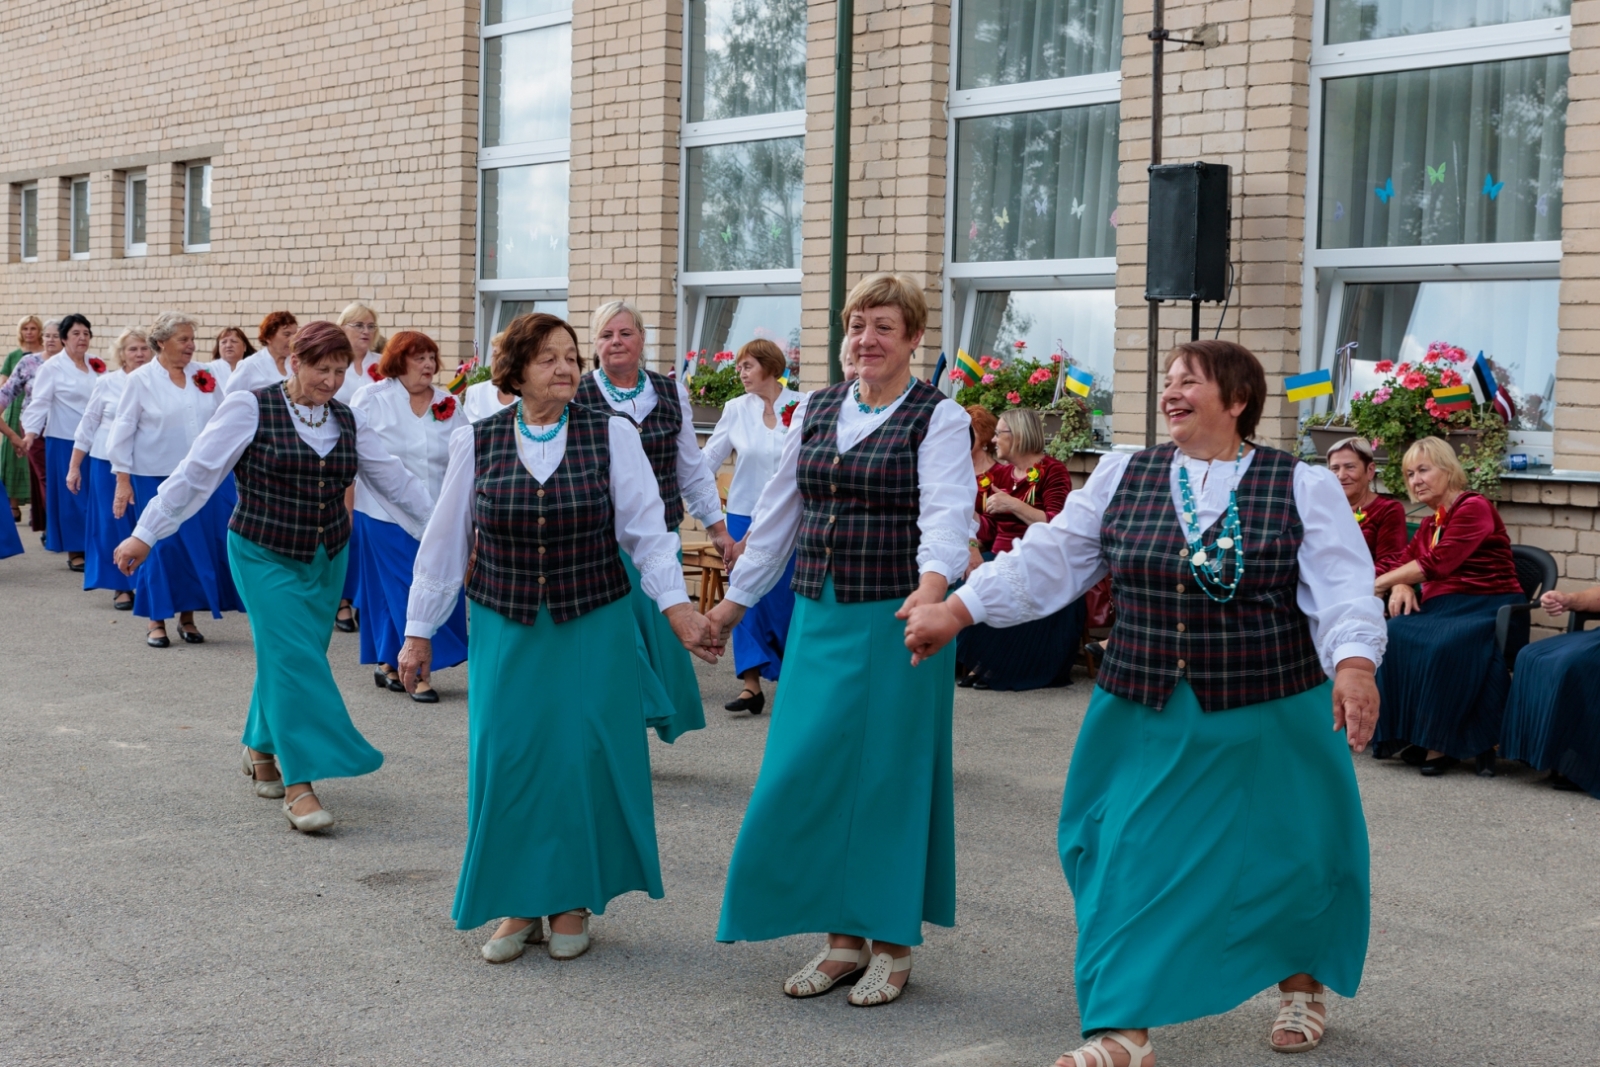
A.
x: 1211, y: 830
x: 660, y: 408
x: 873, y: 495
x: 293, y: 450
x: 539, y: 504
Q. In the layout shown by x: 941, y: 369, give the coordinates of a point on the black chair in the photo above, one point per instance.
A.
x: 1537, y: 573
x: 1577, y: 620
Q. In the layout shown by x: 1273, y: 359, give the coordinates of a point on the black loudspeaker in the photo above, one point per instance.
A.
x: 1188, y: 237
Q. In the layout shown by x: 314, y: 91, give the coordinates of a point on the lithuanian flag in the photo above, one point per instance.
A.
x: 968, y: 365
x: 1453, y: 397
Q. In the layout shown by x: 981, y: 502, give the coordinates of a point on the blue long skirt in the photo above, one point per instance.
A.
x: 671, y: 691
x: 102, y: 531
x: 1211, y: 856
x: 385, y: 553
x: 10, y: 542
x: 1035, y: 655
x: 559, y: 809
x: 63, y: 511
x: 188, y: 571
x: 352, y: 575
x: 296, y: 711
x: 1553, y: 713
x: 851, y: 827
x: 1443, y: 684
x: 759, y: 639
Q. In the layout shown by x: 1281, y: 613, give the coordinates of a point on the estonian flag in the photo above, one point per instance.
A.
x: 1305, y: 386
x: 969, y: 366
x: 1496, y: 397
x: 1078, y: 381
x: 938, y: 372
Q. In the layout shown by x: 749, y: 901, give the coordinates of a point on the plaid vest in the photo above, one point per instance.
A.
x: 290, y: 499
x: 1256, y: 647
x: 658, y: 433
x: 860, y: 508
x: 553, y: 543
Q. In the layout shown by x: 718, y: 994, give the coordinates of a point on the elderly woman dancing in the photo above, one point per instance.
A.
x: 270, y: 365
x: 874, y: 493
x: 1211, y: 830
x: 13, y: 464
x: 660, y: 408
x: 294, y: 450
x: 559, y: 812
x: 61, y: 391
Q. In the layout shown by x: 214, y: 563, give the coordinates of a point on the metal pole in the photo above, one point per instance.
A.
x: 1194, y: 320
x: 1158, y: 38
x: 843, y: 62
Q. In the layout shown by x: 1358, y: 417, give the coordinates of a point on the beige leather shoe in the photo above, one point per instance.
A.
x: 505, y: 949
x: 811, y: 982
x: 272, y: 790
x: 307, y: 824
x: 570, y: 946
x: 875, y: 988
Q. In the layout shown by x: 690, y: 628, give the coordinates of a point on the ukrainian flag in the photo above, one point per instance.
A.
x: 968, y: 364
x: 1453, y: 398
x: 1305, y: 386
x: 1078, y: 381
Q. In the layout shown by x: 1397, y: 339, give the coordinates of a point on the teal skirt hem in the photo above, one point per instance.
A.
x: 672, y: 692
x: 1211, y: 856
x: 851, y: 827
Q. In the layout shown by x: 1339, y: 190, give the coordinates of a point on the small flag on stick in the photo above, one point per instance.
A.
x: 1078, y: 381
x: 1453, y: 398
x: 968, y: 365
x: 938, y: 372
x: 1305, y: 386
x: 1496, y: 397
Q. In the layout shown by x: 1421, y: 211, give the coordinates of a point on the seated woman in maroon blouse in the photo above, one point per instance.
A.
x: 1382, y: 518
x: 1025, y: 487
x: 1443, y: 682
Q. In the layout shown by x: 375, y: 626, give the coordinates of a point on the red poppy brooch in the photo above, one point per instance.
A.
x: 788, y: 411
x: 372, y: 372
x: 97, y: 365
x: 444, y: 410
x: 203, y: 381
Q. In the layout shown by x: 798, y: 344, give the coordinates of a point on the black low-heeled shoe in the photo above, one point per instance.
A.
x: 75, y: 567
x: 1434, y: 768
x: 191, y: 637
x: 1565, y: 784
x: 1413, y: 755
x: 380, y: 679
x: 967, y: 680
x: 153, y: 641
x: 425, y: 696
x: 752, y: 704
x: 345, y: 626
x: 123, y: 605
x: 1486, y: 763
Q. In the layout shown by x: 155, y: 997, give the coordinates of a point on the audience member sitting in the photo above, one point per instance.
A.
x: 1443, y: 681
x: 983, y: 427
x: 1553, y: 714
x: 1382, y: 519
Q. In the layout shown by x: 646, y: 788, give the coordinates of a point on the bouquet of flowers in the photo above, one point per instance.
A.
x: 1021, y: 383
x: 714, y: 381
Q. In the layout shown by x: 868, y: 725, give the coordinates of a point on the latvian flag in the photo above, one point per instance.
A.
x: 1493, y: 394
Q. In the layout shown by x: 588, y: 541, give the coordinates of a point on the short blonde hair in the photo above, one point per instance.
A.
x: 1441, y: 455
x: 1359, y: 445
x: 168, y: 323
x: 889, y: 290
x: 610, y: 310
x: 1027, y: 430
x: 120, y: 345
x: 24, y: 322
x: 351, y: 310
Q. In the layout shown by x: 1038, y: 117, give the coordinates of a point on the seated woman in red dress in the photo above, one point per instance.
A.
x: 1025, y: 487
x: 1443, y: 682
x: 1382, y: 518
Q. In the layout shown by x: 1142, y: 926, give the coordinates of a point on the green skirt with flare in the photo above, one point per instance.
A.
x: 672, y: 692
x: 851, y: 828
x: 14, y: 468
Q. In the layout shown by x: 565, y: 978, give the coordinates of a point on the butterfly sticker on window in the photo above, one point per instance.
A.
x: 1491, y: 188
x: 1338, y: 211
x: 1077, y: 208
x: 1435, y: 174
x: 1543, y: 206
x: 1386, y: 190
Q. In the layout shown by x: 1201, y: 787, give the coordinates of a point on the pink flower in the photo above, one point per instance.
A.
x: 1020, y: 345
x: 1432, y: 356
x: 1355, y: 396
x: 961, y: 376
x: 987, y: 379
x: 1414, y: 380
x: 1404, y: 368
x: 1384, y: 366
x: 1056, y: 358
x: 1450, y: 377
x: 1040, y: 375
x: 1382, y: 396
x: 1014, y: 397
x: 1457, y: 355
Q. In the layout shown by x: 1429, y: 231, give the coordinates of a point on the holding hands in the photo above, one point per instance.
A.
x: 699, y: 634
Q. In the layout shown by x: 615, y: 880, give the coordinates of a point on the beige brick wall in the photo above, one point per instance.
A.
x: 1577, y: 437
x: 343, y: 139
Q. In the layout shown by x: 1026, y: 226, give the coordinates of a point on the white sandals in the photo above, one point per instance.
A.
x: 1095, y: 1052
x: 569, y: 946
x: 272, y: 790
x: 507, y: 948
x: 876, y: 988
x: 1298, y: 1016
x: 811, y: 982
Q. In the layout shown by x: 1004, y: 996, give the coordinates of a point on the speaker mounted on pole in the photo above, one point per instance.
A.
x: 1187, y: 242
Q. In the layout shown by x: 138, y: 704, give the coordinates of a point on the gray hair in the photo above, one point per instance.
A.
x: 610, y: 310
x: 1027, y: 430
x: 1359, y: 445
x: 168, y: 323
x: 51, y: 324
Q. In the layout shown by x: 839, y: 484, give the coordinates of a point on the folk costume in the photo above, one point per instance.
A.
x: 559, y: 808
x: 856, y: 779
x: 156, y: 425
x: 660, y: 408
x: 1552, y: 716
x: 1383, y: 525
x: 382, y: 550
x: 760, y: 637
x: 1443, y: 683
x: 286, y: 545
x: 13, y: 467
x: 60, y: 395
x: 102, y: 530
x: 1197, y: 877
x: 10, y: 541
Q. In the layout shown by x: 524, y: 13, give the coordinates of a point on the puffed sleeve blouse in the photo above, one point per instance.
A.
x: 1057, y: 562
x: 742, y: 430
x: 60, y: 393
x: 422, y: 442
x: 1472, y: 553
x: 640, y: 524
x: 157, y: 422
x: 93, y: 436
x: 997, y: 533
x: 944, y: 488
x: 1384, y: 527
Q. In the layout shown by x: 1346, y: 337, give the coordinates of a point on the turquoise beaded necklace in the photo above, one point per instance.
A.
x: 619, y: 395
x: 540, y: 438
x: 867, y: 409
x: 1208, y: 566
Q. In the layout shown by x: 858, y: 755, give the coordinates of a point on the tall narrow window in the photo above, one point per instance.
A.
x: 29, y: 224
x: 197, y: 209
x: 134, y: 224
x: 79, y: 221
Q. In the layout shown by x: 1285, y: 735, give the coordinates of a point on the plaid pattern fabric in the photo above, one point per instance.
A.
x: 1254, y: 648
x: 658, y: 433
x: 860, y: 508
x: 290, y: 499
x: 553, y: 543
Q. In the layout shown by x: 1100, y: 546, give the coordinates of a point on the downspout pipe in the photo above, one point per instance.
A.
x: 843, y: 64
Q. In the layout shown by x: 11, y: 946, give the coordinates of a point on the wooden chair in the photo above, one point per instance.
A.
x: 703, y: 565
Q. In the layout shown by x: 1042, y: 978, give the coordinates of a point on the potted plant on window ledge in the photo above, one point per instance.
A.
x: 715, y: 381
x: 1028, y: 383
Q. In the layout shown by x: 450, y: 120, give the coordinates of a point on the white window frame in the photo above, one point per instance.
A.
x: 1327, y: 272
x: 72, y: 217
x: 130, y: 248
x: 492, y: 291
x: 188, y: 191
x: 22, y: 222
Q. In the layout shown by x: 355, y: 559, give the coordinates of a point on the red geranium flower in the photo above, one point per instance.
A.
x: 1414, y: 380
x: 204, y: 382
x: 97, y: 365
x: 788, y: 411
x: 1384, y: 366
x: 444, y: 410
x: 1451, y: 376
x: 1014, y: 396
x: 372, y: 372
x: 961, y: 376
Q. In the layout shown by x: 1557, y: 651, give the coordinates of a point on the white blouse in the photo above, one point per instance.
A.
x: 230, y: 432
x: 156, y: 421
x: 482, y: 400
x: 356, y: 378
x: 1057, y: 562
x: 641, y: 525
x: 741, y: 430
x: 60, y: 395
x: 94, y: 429
x: 254, y: 371
x: 422, y: 442
x: 944, y: 486
x: 696, y: 481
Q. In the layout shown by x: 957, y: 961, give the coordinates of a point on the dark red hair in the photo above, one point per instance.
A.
x: 275, y: 321
x: 401, y: 347
x: 320, y: 342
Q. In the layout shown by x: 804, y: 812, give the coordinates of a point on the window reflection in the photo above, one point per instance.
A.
x: 525, y: 221
x: 527, y: 86
x: 512, y: 10
x: 730, y: 321
x: 745, y: 205
x: 746, y: 57
x: 1370, y: 20
x: 1077, y: 324
x: 1004, y: 42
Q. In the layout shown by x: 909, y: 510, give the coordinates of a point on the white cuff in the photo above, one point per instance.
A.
x: 1356, y: 650
x: 415, y: 628
x: 671, y: 599
x: 743, y: 597
x: 935, y: 566
x: 973, y: 605
x: 142, y: 532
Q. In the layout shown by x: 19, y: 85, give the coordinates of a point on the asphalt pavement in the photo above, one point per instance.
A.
x: 155, y: 911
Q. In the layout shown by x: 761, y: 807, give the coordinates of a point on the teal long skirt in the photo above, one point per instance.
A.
x: 851, y: 828
x: 672, y: 692
x: 296, y: 711
x: 1211, y: 856
x: 559, y: 809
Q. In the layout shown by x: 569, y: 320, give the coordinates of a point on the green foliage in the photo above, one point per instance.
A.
x: 714, y: 381
x: 1076, y: 433
x: 1021, y: 383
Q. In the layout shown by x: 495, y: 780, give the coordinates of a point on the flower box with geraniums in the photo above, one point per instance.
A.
x: 712, y: 383
x: 1028, y: 383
